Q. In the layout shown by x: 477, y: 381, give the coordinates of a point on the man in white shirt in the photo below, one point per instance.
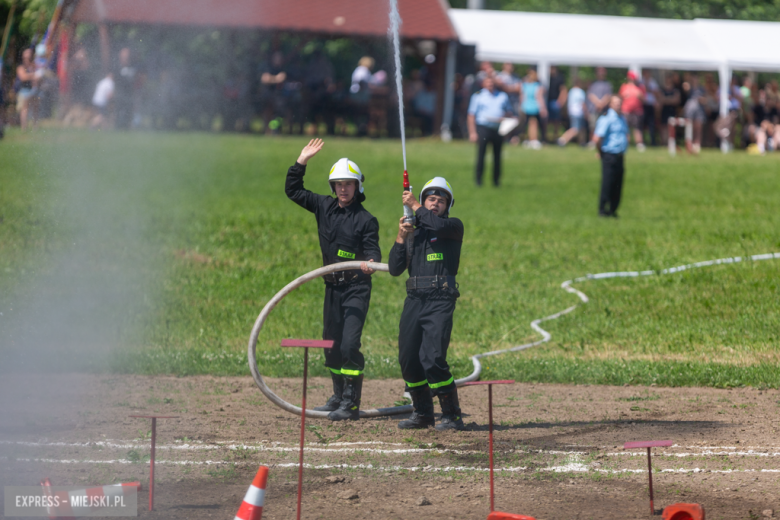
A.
x: 101, y: 99
x: 575, y: 106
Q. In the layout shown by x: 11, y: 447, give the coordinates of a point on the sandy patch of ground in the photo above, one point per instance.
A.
x: 558, y: 448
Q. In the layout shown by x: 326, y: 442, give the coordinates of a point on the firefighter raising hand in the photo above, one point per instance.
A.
x: 310, y: 150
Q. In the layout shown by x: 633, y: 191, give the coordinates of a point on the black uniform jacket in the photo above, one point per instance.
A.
x: 436, y: 251
x: 346, y: 234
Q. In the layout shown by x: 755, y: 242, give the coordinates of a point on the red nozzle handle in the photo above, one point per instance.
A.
x: 406, y: 181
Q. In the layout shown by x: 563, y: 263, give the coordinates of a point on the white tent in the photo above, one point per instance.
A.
x: 615, y: 41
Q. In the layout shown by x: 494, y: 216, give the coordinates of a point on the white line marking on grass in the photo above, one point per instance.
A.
x: 749, y: 453
x: 278, y: 447
x: 312, y: 447
x: 573, y: 467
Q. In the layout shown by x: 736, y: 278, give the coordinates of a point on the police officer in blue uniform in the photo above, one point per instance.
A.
x: 611, y: 139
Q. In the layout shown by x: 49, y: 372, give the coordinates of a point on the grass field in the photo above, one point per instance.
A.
x: 174, y: 242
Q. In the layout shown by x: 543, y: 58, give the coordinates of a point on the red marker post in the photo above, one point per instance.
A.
x: 306, y: 344
x: 151, y: 456
x: 490, y: 423
x: 648, y: 445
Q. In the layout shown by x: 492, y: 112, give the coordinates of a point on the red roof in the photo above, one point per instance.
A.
x: 422, y: 19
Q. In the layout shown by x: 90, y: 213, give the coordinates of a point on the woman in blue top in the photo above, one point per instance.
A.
x: 533, y: 106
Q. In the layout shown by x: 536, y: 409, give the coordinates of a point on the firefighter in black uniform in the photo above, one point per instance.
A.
x: 347, y: 232
x: 431, y: 293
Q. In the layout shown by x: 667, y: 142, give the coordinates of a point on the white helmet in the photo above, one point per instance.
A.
x: 345, y: 170
x: 441, y: 185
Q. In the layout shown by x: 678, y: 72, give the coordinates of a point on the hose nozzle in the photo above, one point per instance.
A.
x: 408, y: 213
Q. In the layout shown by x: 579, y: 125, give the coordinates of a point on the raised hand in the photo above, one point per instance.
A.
x: 310, y: 150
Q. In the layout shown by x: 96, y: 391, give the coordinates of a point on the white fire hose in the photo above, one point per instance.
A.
x: 379, y: 412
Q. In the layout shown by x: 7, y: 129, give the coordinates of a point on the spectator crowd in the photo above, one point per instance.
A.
x: 567, y: 110
x: 304, y: 94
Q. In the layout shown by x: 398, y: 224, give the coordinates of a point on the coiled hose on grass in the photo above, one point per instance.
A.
x: 474, y: 376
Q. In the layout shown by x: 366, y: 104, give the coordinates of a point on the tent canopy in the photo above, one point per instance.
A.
x: 620, y: 41
x: 617, y: 41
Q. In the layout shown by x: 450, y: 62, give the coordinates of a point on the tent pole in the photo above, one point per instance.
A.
x: 543, y: 73
x: 449, y: 92
x: 724, y: 71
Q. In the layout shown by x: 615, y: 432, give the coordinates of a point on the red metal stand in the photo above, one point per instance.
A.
x: 490, y: 426
x: 151, y: 456
x: 306, y: 344
x: 648, y: 445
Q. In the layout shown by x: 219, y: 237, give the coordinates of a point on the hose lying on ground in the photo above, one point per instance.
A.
x: 378, y: 412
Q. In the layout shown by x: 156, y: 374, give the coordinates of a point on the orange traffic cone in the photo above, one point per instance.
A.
x: 252, y: 506
x: 499, y: 515
x: 684, y: 512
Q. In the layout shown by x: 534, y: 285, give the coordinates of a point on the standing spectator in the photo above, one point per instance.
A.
x: 670, y: 100
x: 125, y: 79
x: 575, y: 106
x: 486, y: 70
x: 486, y: 109
x: 360, y: 93
x: 710, y: 102
x: 652, y: 92
x: 101, y: 100
x: 556, y: 99
x: 320, y: 87
x: 507, y: 81
x: 424, y: 107
x: 599, y: 94
x: 272, y: 100
x: 27, y: 83
x: 361, y: 76
x: 633, y: 96
x: 611, y: 140
x: 534, y: 107
x: 747, y: 98
x: 694, y: 111
x: 767, y: 137
x: 459, y: 126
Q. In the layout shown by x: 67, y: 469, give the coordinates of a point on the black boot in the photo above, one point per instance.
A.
x: 422, y: 416
x: 335, y: 399
x: 350, y: 400
x: 450, y: 412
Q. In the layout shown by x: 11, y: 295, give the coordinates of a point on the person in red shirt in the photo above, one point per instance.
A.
x: 633, y: 94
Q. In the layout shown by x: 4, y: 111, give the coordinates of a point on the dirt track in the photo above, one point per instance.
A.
x: 559, y: 448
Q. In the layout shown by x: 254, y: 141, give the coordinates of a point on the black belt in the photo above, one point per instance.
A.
x: 430, y: 282
x: 341, y: 277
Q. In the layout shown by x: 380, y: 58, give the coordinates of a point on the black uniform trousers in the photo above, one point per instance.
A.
x: 423, y: 339
x: 612, y: 171
x: 487, y: 135
x: 343, y: 316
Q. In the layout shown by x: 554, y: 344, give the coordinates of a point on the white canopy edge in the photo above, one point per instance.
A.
x: 616, y: 41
